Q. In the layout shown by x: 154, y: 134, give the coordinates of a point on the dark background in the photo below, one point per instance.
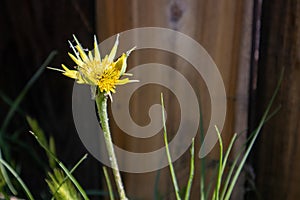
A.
x: 30, y: 30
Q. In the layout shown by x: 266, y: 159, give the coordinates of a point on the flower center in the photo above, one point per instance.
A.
x: 108, y: 79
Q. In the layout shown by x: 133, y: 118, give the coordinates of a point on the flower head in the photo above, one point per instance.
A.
x: 92, y: 70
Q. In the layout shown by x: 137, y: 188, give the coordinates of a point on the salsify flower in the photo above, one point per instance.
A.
x: 92, y: 70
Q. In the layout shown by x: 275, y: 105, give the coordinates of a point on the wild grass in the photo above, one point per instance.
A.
x: 63, y: 185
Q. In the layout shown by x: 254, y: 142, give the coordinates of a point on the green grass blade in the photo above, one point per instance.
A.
x: 175, y: 184
x: 262, y: 122
x: 228, y: 152
x: 71, y: 171
x: 6, y: 177
x: 109, y: 187
x: 24, y: 91
x: 237, y: 157
x: 52, y: 148
x: 34, y: 126
x: 10, y: 102
x: 225, y: 163
x: 241, y: 150
x: 14, y: 173
x: 71, y: 177
x: 229, y: 175
x: 33, y: 123
x: 24, y: 147
x: 12, y: 110
x: 216, y: 194
x: 191, y: 176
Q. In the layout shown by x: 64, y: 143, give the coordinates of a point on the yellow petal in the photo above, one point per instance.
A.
x: 82, y: 54
x: 125, y: 81
x: 86, y: 78
x: 77, y: 61
x: 70, y: 73
x: 113, y: 51
x: 96, y: 50
x: 80, y: 80
x: 64, y: 67
x: 90, y: 56
x: 121, y: 64
x: 80, y: 50
x: 122, y: 81
x: 105, y: 61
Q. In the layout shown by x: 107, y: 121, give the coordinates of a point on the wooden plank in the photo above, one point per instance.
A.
x: 224, y: 29
x: 277, y: 159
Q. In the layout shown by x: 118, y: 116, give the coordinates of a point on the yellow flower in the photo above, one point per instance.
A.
x: 92, y: 70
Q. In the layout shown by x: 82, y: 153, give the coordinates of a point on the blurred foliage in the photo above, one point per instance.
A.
x: 60, y: 187
x: 42, y: 137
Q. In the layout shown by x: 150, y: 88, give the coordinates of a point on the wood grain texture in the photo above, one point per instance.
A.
x: 277, y: 159
x: 223, y: 28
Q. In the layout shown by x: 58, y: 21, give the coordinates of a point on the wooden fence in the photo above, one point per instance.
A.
x: 249, y: 49
x: 224, y: 29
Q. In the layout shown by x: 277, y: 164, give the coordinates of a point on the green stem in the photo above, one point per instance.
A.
x: 101, y: 101
x: 175, y: 184
x: 14, y: 173
x: 256, y: 132
x: 216, y: 194
x: 109, y: 187
x: 63, y: 167
x: 66, y: 178
x: 192, y: 166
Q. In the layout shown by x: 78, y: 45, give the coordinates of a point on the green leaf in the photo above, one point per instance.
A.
x: 42, y: 138
x: 68, y: 173
x: 192, y: 166
x: 175, y: 184
x: 14, y: 173
x: 60, y: 187
x: 251, y: 143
